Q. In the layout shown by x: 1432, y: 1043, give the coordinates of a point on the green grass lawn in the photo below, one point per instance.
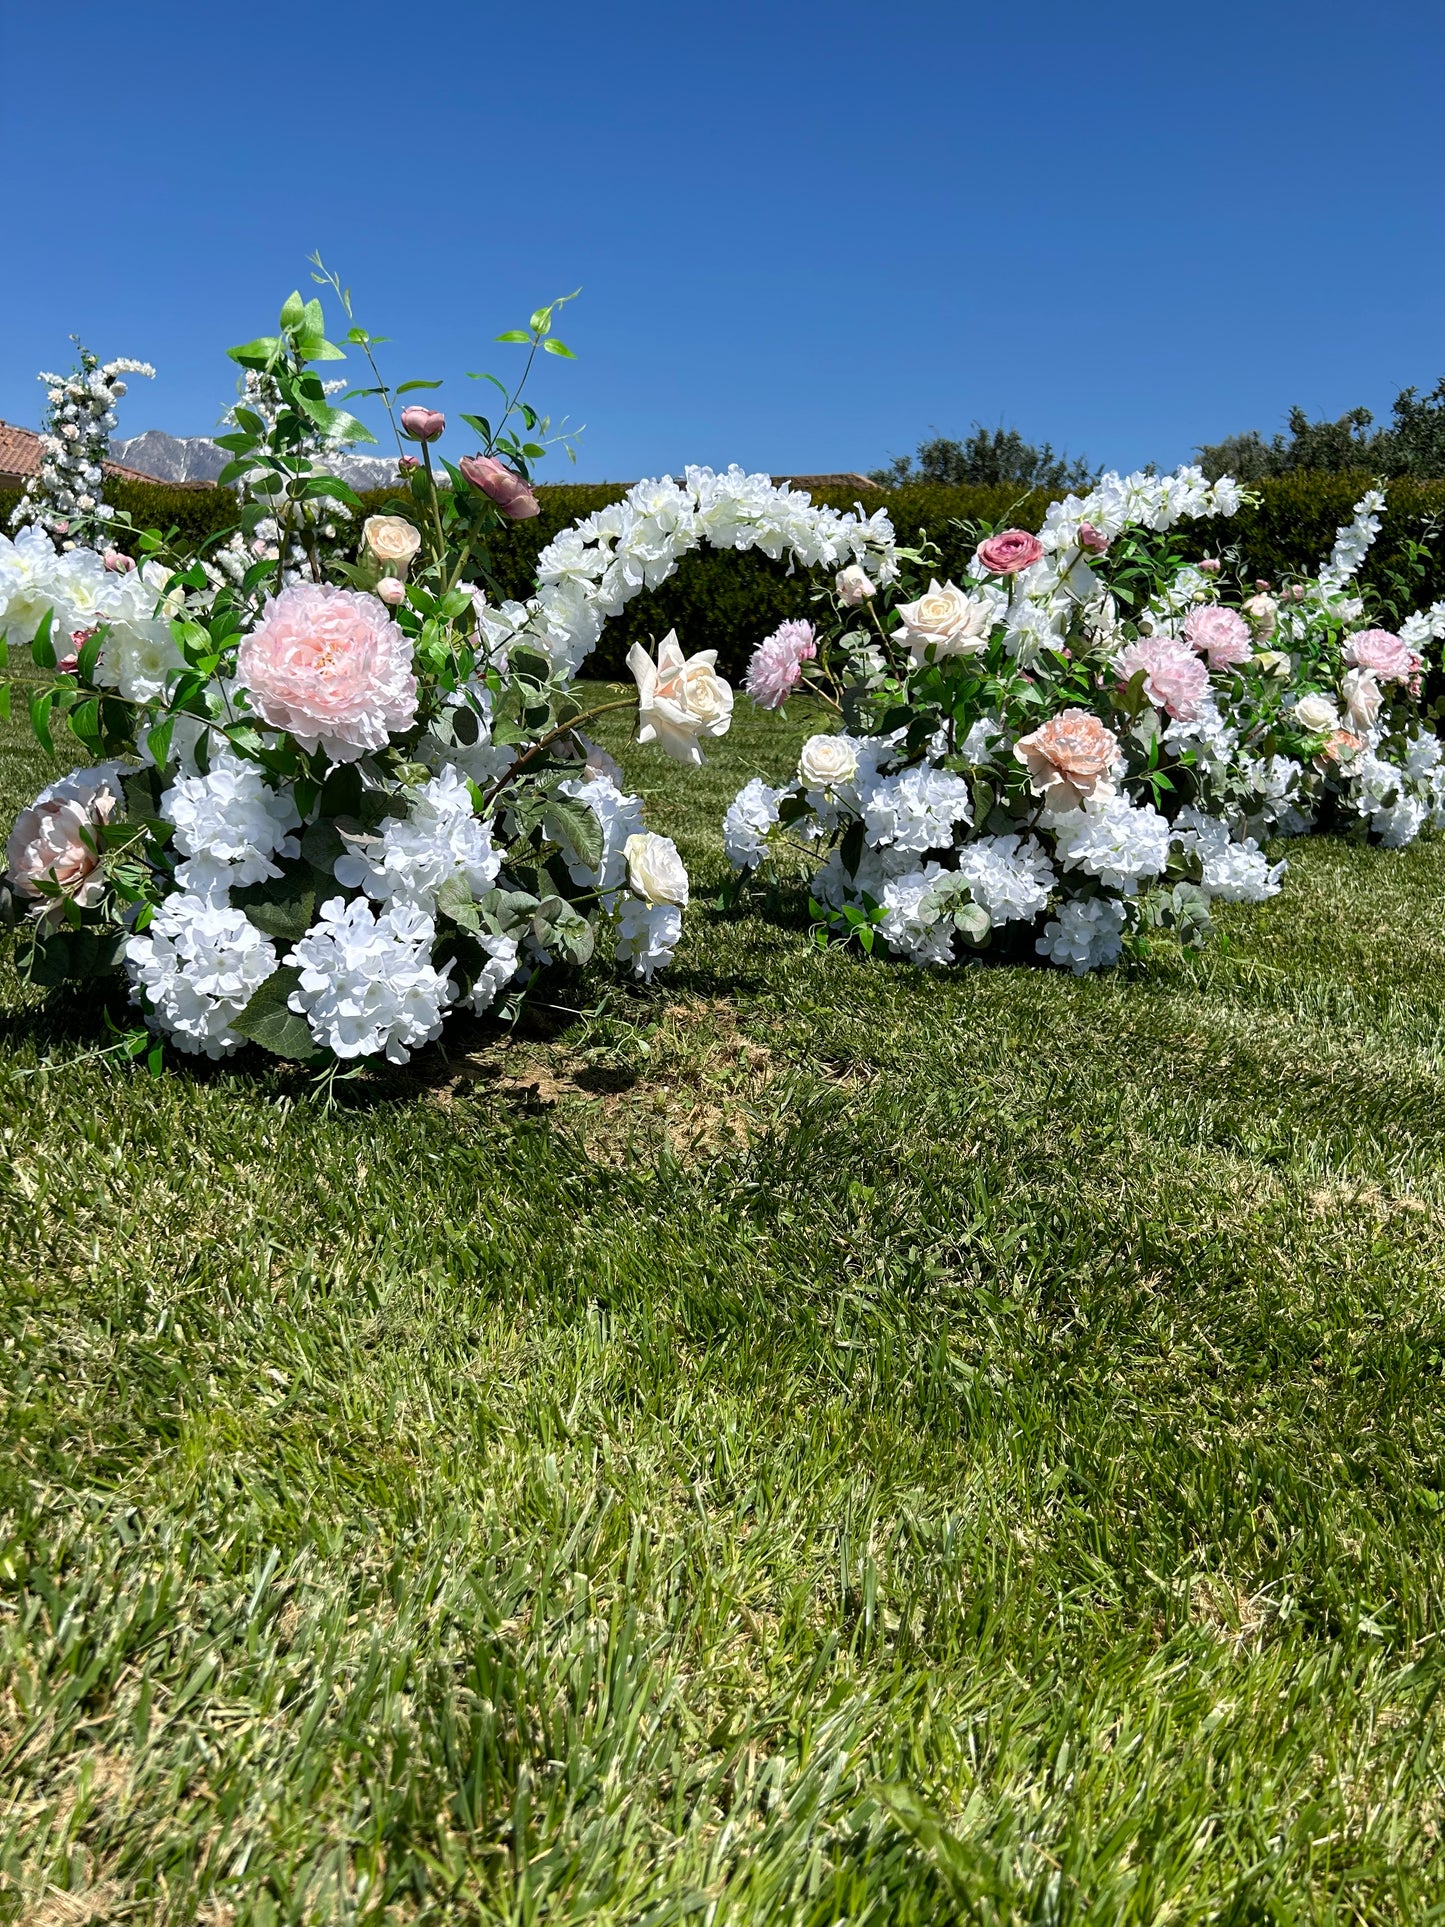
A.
x: 815, y: 1441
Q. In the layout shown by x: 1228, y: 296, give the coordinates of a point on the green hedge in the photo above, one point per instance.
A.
x: 730, y: 601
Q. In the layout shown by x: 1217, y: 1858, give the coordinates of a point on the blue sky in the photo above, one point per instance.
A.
x: 806, y: 233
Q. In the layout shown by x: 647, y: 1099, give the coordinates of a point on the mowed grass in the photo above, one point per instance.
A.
x: 815, y: 1441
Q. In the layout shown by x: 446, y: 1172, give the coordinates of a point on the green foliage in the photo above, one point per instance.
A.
x: 812, y: 1442
x: 1412, y: 444
x: 989, y: 458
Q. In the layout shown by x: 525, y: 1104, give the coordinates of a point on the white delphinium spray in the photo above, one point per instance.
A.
x: 65, y: 497
x: 194, y: 968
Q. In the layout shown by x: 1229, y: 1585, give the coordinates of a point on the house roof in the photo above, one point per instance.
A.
x: 20, y: 457
x: 848, y: 480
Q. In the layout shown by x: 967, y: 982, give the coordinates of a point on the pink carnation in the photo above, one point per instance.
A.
x: 1009, y: 551
x: 1391, y: 659
x: 1220, y: 634
x: 330, y: 667
x: 777, y: 665
x: 1174, y: 677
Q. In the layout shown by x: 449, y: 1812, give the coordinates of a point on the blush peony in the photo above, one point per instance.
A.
x: 1174, y: 677
x: 1219, y: 634
x: 777, y: 665
x: 1009, y: 551
x: 1069, y: 758
x: 1391, y: 659
x: 330, y: 667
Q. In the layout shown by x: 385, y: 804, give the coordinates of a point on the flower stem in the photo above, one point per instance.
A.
x: 545, y: 742
x: 436, y: 507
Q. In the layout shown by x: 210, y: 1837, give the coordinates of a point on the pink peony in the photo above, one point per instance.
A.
x: 1009, y: 551
x: 1069, y: 758
x: 423, y: 424
x: 1391, y: 659
x: 777, y: 665
x: 1220, y: 634
x: 511, y: 494
x: 59, y: 837
x: 1174, y: 677
x: 1092, y: 539
x: 330, y: 667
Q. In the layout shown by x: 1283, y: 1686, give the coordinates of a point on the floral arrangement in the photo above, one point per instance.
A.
x: 1089, y: 739
x: 337, y: 792
x: 63, y: 498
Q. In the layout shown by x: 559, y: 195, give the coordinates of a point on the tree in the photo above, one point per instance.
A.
x: 1413, y: 444
x: 998, y: 457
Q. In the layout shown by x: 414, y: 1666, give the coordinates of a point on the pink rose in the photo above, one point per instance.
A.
x: 1068, y: 758
x: 117, y: 563
x: 1092, y: 539
x: 59, y: 837
x: 330, y: 667
x: 1391, y: 659
x: 511, y: 494
x: 423, y: 424
x: 1174, y: 677
x: 1220, y: 634
x: 1009, y: 551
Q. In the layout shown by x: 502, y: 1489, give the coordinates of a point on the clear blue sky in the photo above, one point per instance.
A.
x: 807, y: 231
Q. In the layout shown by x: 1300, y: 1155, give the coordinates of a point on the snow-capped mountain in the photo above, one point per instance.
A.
x: 196, y: 458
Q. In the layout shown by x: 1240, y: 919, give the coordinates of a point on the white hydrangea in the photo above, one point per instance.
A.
x: 229, y: 825
x: 834, y: 884
x: 647, y: 934
x: 483, y: 760
x: 1087, y: 934
x: 1214, y: 741
x: 1010, y: 876
x: 195, y: 967
x: 367, y: 980
x: 917, y: 809
x: 1237, y: 872
x: 1115, y: 840
x: 914, y: 927
x: 1276, y: 782
x: 619, y: 816
x: 750, y: 816
x: 440, y: 841
x: 1382, y: 792
x: 496, y: 973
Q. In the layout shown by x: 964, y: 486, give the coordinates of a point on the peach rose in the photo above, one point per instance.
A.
x: 1068, y: 758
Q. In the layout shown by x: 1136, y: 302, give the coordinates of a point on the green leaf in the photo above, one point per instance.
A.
x: 4, y: 701
x: 481, y: 424
x: 90, y: 655
x: 533, y: 665
x: 553, y: 346
x: 293, y: 311
x: 281, y: 906
x: 335, y: 424
x: 259, y: 353
x: 406, y: 387
x: 40, y: 706
x: 515, y: 334
x: 333, y: 486
x: 321, y: 844
x: 84, y: 722
x: 270, y: 1022
x: 455, y: 901
x: 65, y: 956
x: 573, y: 825
x: 42, y: 649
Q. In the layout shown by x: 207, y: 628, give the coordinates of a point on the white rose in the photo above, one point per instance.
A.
x: 1317, y: 714
x: 679, y: 698
x: 827, y: 762
x: 1262, y: 611
x: 948, y: 621
x: 853, y: 586
x: 1361, y: 694
x: 654, y: 869
x: 391, y: 539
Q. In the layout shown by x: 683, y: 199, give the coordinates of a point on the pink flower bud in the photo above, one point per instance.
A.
x: 1261, y: 584
x: 1092, y: 539
x: 1297, y: 592
x: 391, y: 590
x: 61, y: 528
x: 423, y: 424
x: 506, y: 488
x: 1209, y: 565
x: 117, y: 563
x: 408, y: 463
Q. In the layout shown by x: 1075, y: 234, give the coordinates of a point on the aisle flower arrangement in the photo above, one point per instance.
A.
x: 1088, y: 739
x: 337, y: 791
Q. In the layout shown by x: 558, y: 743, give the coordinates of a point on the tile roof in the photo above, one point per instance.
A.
x: 20, y: 456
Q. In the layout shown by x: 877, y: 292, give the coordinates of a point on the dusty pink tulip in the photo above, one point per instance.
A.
x: 1009, y: 551
x: 1262, y: 584
x: 511, y: 494
x: 1092, y: 539
x: 423, y: 424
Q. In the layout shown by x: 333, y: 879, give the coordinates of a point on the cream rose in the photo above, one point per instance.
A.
x: 1263, y: 612
x: 854, y: 586
x: 679, y: 698
x: 654, y: 869
x: 391, y: 540
x: 1361, y: 694
x: 827, y: 762
x: 948, y: 621
x: 1317, y: 714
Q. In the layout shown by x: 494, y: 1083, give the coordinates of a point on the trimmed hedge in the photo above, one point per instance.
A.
x: 730, y: 601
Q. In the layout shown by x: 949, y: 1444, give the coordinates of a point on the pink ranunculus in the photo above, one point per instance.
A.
x: 507, y: 489
x: 59, y: 837
x: 1391, y: 659
x: 1009, y: 551
x: 330, y: 667
x: 423, y: 424
x: 1092, y: 539
x: 1068, y: 758
x: 1174, y: 677
x: 1220, y: 634
x: 777, y: 665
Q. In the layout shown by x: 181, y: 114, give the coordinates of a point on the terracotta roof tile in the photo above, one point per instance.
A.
x: 20, y: 457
